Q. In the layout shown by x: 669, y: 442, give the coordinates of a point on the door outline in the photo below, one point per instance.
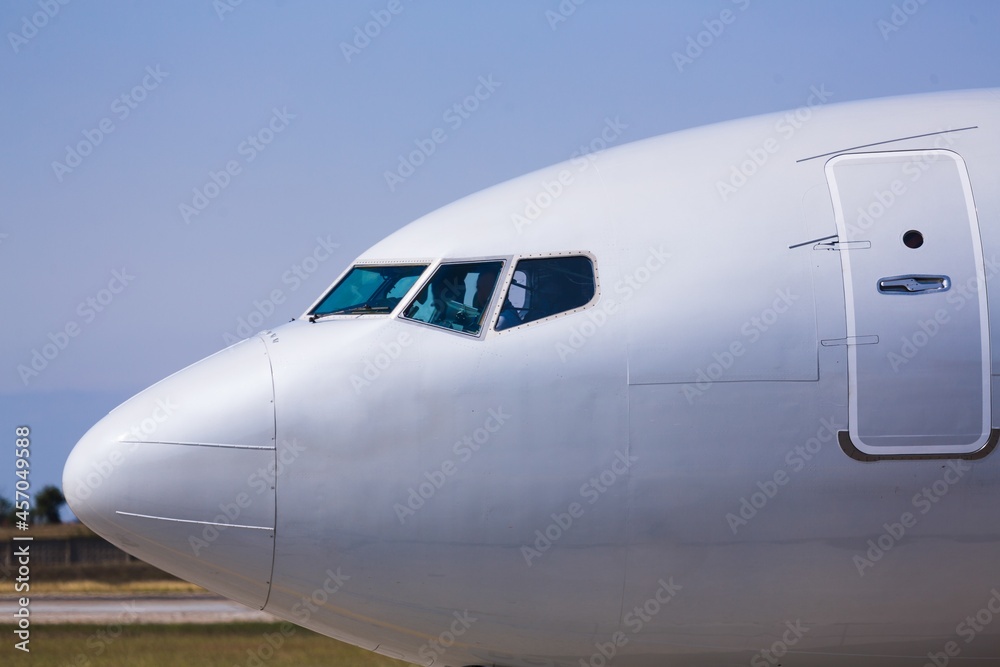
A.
x: 914, y: 450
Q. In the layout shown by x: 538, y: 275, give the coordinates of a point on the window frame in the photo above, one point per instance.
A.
x: 544, y: 255
x: 404, y: 300
x: 490, y: 312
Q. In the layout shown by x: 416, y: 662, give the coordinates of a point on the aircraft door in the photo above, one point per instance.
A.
x: 914, y: 282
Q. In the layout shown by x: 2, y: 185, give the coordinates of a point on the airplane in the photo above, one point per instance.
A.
x: 718, y: 397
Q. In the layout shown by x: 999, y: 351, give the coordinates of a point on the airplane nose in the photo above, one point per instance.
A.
x: 182, y: 474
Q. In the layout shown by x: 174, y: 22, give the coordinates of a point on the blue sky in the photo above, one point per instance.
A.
x: 173, y: 169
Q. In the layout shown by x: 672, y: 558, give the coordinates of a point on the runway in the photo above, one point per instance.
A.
x: 109, y: 609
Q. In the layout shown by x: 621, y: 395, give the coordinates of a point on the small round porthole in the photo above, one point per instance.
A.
x: 913, y: 239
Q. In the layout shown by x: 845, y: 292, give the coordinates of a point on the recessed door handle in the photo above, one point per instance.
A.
x: 913, y: 284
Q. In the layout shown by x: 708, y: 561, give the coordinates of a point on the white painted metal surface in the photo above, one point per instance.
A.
x: 920, y: 389
x: 657, y: 478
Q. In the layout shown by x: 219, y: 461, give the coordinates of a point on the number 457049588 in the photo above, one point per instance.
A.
x: 22, y: 454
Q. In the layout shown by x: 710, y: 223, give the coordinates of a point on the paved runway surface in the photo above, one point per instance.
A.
x: 121, y: 609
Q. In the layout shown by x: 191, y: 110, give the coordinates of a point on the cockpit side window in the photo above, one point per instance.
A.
x: 457, y: 296
x: 544, y: 287
x: 368, y: 290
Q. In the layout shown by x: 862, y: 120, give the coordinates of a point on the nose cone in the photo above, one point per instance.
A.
x: 182, y: 474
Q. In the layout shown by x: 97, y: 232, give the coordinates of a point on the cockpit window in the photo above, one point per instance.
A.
x: 544, y: 287
x: 369, y: 290
x: 457, y: 296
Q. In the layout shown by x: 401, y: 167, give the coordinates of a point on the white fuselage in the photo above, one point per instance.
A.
x: 765, y: 440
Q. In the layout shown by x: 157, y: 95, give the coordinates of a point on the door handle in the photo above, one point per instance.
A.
x: 913, y: 284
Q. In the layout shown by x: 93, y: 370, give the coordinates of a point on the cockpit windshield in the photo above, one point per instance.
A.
x: 457, y: 296
x: 369, y: 290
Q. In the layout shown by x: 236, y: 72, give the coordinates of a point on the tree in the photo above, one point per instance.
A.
x: 6, y: 511
x: 47, y: 504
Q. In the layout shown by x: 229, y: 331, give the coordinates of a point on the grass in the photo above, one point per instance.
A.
x: 222, y: 645
x: 132, y: 578
x: 91, y: 587
x: 142, y: 645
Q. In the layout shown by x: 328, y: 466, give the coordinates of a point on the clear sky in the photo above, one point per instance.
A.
x: 172, y: 168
